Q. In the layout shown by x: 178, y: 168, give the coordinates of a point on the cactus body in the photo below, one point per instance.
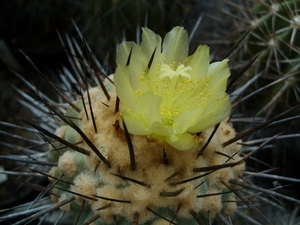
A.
x: 275, y: 34
x: 274, y: 31
x: 165, y: 180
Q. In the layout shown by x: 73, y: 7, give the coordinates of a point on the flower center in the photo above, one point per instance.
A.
x: 176, y: 86
x: 168, y: 71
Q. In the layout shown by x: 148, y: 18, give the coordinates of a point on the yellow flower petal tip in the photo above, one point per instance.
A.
x: 166, y: 94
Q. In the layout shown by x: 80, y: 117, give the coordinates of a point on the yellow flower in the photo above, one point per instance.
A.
x: 166, y: 94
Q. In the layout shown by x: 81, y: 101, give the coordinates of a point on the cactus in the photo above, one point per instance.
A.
x: 131, y: 178
x: 160, y: 181
x: 274, y: 28
x: 103, y: 170
x: 272, y: 81
x: 151, y: 187
x: 277, y: 28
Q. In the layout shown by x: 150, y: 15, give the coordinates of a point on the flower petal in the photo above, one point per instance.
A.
x: 135, y: 124
x: 184, y: 142
x: 137, y: 67
x: 187, y: 119
x: 175, y: 45
x: 160, y: 130
x: 199, y: 62
x: 218, y: 74
x: 123, y: 87
x: 218, y: 111
x: 217, y: 67
x: 123, y: 52
x: 150, y: 41
x: 148, y: 104
x: 145, y: 114
x: 151, y: 47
